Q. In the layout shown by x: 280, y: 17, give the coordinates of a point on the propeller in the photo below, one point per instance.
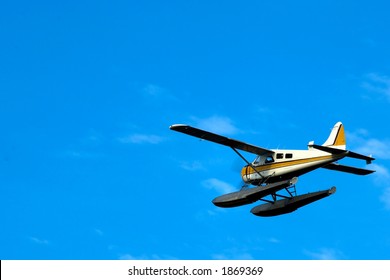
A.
x: 236, y: 168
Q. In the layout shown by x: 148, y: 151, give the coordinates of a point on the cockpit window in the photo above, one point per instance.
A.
x: 269, y: 159
x: 257, y: 160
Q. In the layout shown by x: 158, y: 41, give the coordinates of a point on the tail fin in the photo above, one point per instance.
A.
x: 336, y: 138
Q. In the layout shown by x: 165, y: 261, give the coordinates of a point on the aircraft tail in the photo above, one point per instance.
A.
x: 336, y: 144
x: 336, y: 138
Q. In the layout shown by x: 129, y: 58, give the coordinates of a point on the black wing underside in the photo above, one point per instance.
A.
x: 219, y: 139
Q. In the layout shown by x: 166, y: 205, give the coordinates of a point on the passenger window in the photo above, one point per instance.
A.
x: 279, y: 156
x: 289, y: 155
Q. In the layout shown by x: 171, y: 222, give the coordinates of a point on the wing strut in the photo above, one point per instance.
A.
x: 247, y: 162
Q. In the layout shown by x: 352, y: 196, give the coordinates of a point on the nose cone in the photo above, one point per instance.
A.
x: 245, y: 174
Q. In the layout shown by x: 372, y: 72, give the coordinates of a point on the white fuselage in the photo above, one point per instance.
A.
x: 285, y: 164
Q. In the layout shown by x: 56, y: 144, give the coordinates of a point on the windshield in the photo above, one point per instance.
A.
x: 259, y: 160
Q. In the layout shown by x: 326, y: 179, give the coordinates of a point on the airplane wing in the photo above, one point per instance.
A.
x: 348, y: 169
x: 202, y: 134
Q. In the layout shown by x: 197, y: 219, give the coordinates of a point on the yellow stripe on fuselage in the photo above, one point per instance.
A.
x: 290, y: 163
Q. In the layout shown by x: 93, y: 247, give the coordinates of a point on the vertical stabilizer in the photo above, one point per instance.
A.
x: 336, y: 138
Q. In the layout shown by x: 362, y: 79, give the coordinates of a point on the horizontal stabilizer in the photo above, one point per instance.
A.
x: 359, y: 156
x: 328, y: 149
x: 348, y: 169
x: 202, y: 134
x: 335, y: 151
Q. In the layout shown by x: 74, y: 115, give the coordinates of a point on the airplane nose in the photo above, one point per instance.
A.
x: 245, y: 174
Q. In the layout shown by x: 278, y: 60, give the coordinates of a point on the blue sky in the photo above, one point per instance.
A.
x: 90, y: 170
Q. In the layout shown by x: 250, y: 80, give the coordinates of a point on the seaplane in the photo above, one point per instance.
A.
x: 272, y: 176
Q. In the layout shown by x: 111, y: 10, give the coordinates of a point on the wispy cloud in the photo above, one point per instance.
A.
x: 381, y: 178
x: 233, y: 256
x: 157, y: 93
x: 80, y: 154
x: 153, y: 90
x: 204, y: 215
x: 380, y: 149
x: 369, y: 146
x: 239, y: 248
x: 263, y: 110
x: 217, y: 124
x: 325, y: 254
x: 381, y: 174
x: 192, y: 166
x: 385, y: 198
x: 39, y: 240
x: 274, y: 240
x: 218, y: 185
x: 137, y: 138
x: 98, y: 232
x: 131, y: 257
x: 86, y: 147
x: 146, y: 257
x: 377, y: 83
